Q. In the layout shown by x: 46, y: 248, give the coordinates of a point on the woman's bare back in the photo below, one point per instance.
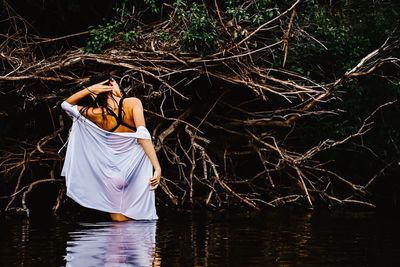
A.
x: 109, y: 122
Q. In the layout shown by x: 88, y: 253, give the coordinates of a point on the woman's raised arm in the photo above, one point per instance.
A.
x: 94, y: 89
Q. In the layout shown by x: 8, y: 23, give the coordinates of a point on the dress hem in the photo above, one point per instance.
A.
x: 74, y: 198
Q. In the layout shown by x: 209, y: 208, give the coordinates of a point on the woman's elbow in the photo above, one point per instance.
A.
x: 144, y: 141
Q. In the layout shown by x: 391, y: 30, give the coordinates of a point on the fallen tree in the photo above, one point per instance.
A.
x: 221, y: 115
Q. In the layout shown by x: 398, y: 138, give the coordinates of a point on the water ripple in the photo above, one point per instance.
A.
x: 129, y: 243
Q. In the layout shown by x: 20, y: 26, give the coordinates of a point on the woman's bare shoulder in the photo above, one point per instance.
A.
x: 133, y: 102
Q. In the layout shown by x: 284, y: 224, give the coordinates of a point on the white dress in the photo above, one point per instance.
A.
x: 108, y: 171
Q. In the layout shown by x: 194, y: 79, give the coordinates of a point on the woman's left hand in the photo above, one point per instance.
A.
x: 155, y: 180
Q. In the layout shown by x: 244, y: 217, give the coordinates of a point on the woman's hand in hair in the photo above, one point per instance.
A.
x: 92, y: 90
x: 99, y: 88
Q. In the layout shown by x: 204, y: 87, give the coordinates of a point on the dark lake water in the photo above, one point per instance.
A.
x: 277, y: 238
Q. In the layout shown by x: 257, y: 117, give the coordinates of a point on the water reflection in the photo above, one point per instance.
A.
x: 131, y: 243
x: 235, y: 240
x: 274, y: 239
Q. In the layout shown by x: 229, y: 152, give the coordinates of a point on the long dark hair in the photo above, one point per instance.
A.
x: 100, y: 101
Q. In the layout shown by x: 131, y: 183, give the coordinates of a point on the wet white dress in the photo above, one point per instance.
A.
x: 108, y: 171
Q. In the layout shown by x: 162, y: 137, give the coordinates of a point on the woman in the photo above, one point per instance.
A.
x: 110, y: 156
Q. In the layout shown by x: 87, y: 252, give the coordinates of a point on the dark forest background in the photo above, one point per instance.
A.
x: 324, y: 40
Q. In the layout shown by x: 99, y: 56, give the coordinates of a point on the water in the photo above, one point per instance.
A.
x: 278, y: 238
